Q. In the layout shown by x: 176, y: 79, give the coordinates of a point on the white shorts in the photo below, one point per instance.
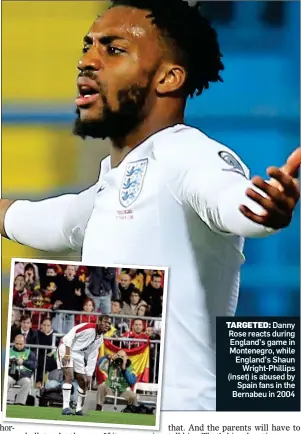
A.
x: 76, y: 361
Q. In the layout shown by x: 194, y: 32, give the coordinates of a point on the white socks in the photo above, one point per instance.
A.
x: 66, y: 395
x: 80, y: 399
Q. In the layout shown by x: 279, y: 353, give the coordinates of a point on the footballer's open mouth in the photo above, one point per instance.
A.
x: 88, y: 92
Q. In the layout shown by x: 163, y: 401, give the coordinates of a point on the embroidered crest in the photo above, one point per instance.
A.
x: 132, y: 182
x: 232, y: 162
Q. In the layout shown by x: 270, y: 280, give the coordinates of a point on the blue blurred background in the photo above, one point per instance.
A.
x: 255, y: 112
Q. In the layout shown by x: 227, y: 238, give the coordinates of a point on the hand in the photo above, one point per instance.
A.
x: 28, y: 277
x: 57, y: 304
x: 282, y: 193
x: 65, y: 360
x: 78, y: 292
x: 25, y: 299
x: 113, y: 356
x: 20, y: 362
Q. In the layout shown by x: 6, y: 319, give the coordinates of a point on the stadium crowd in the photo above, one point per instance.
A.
x: 70, y: 295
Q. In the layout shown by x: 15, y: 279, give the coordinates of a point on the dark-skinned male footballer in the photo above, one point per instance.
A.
x: 77, y: 355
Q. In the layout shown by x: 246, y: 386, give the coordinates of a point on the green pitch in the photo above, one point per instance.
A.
x: 50, y: 413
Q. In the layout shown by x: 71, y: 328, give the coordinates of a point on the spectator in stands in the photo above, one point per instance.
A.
x: 48, y: 293
x: 51, y: 271
x: 138, y: 327
x: 88, y: 308
x: 116, y: 306
x: 21, y: 294
x: 102, y: 287
x: 122, y: 325
x: 135, y: 303
x: 37, y: 301
x: 142, y: 310
x: 82, y: 273
x: 137, y: 278
x: 22, y: 363
x: 125, y: 287
x: 152, y: 333
x: 153, y: 295
x: 120, y: 378
x: 49, y: 275
x: 154, y: 354
x: 30, y: 336
x: 69, y: 295
x: 20, y: 268
x: 137, y: 332
x: 58, y: 270
x: 148, y: 276
x: 15, y: 320
x: 45, y: 337
x: 31, y: 278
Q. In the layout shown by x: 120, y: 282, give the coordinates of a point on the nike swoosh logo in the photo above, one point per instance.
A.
x: 101, y: 189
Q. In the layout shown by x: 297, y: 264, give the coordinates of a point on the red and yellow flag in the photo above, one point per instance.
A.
x: 139, y: 358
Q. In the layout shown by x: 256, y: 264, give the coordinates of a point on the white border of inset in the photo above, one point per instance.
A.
x: 77, y: 423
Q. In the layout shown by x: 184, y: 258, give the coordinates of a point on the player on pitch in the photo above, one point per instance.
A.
x: 77, y: 355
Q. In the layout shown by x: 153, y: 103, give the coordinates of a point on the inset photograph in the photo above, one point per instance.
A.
x: 84, y: 344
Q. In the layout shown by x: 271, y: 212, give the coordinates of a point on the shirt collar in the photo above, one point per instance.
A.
x: 141, y: 151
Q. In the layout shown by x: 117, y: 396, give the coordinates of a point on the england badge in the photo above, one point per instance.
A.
x: 132, y: 182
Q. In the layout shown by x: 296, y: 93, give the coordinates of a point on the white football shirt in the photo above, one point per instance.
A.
x: 173, y: 201
x: 84, y: 339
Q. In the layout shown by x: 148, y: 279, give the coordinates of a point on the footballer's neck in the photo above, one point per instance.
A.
x: 122, y: 146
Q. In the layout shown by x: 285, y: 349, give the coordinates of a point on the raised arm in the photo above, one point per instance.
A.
x: 210, y: 178
x: 228, y: 202
x: 52, y: 224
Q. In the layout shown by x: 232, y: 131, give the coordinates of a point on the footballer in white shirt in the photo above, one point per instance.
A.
x: 77, y: 355
x: 167, y: 195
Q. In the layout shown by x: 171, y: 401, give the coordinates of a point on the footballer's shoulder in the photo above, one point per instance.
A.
x: 187, y: 143
x: 187, y: 147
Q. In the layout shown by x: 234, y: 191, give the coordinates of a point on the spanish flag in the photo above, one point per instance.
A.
x: 139, y: 358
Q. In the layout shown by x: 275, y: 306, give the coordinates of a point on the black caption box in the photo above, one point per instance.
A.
x: 258, y: 364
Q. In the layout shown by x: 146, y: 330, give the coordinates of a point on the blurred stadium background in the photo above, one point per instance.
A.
x: 255, y: 112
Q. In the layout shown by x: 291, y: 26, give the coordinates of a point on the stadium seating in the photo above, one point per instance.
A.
x: 147, y: 393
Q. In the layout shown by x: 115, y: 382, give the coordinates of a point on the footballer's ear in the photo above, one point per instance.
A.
x: 170, y: 78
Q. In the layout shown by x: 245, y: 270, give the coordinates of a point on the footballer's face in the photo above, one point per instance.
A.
x: 104, y: 325
x: 120, y: 58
